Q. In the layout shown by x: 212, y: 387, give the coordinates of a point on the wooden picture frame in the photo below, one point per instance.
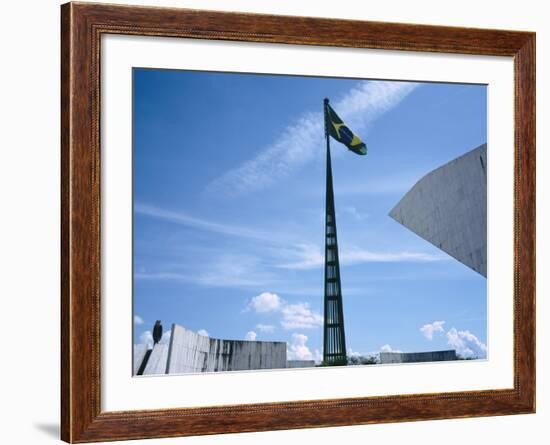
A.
x: 82, y: 26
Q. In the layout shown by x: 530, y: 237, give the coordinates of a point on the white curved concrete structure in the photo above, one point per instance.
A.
x: 190, y: 352
x: 448, y: 208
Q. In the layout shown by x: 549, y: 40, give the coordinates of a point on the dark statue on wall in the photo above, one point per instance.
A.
x: 157, y: 332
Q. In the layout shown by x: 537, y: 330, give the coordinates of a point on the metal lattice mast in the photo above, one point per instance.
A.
x: 334, y: 339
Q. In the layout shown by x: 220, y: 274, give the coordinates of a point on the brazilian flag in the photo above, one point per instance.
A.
x: 339, y: 131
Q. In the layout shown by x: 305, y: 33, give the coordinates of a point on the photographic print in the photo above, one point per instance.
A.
x: 253, y: 204
x: 304, y: 222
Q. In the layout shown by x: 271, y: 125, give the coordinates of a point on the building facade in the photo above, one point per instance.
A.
x: 448, y: 208
x: 189, y: 352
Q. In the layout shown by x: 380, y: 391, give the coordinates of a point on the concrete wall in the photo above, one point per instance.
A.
x: 139, y: 354
x: 190, y: 352
x: 300, y: 363
x: 415, y: 357
x: 448, y: 208
x: 157, y: 360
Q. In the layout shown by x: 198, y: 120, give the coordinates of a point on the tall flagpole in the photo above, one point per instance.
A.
x: 334, y: 337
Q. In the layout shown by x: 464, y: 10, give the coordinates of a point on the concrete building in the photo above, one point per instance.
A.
x: 156, y: 363
x: 139, y: 354
x: 415, y: 357
x: 448, y: 208
x: 300, y: 363
x: 189, y: 352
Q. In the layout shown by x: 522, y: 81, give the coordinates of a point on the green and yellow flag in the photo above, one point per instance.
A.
x: 339, y: 131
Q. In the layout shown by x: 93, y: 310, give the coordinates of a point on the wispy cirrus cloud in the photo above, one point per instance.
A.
x: 357, y: 255
x: 227, y: 270
x: 354, y: 213
x: 301, y: 142
x: 310, y: 256
x: 262, y: 261
x: 265, y: 327
x: 185, y: 219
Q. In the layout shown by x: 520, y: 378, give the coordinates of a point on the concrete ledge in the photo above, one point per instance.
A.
x: 189, y: 352
x: 415, y: 357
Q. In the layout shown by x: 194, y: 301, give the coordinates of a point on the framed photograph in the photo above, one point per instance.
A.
x: 274, y: 222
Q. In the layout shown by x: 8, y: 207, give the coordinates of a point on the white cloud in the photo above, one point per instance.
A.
x: 393, y: 184
x: 203, y: 332
x: 293, y: 316
x: 146, y: 338
x: 429, y: 329
x: 292, y: 150
x: 369, y: 99
x: 265, y: 327
x: 298, y: 349
x: 266, y: 302
x: 138, y: 320
x: 301, y: 142
x: 226, y: 270
x: 300, y: 316
x: 466, y: 344
x: 233, y: 270
x: 354, y: 213
x: 352, y: 353
x: 165, y: 339
x: 387, y: 184
x: 310, y: 256
x: 356, y: 256
x: 250, y: 336
x: 185, y: 219
x: 388, y: 348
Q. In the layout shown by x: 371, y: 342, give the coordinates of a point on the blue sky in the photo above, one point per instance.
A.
x: 229, y: 184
